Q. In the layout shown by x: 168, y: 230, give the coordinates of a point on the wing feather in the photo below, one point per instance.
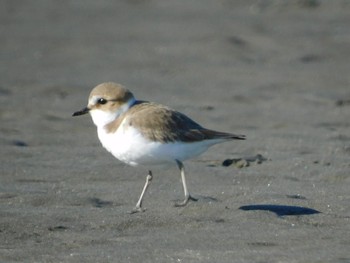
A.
x: 167, y: 125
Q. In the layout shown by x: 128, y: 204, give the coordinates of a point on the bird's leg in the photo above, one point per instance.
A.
x: 138, y: 207
x: 188, y: 197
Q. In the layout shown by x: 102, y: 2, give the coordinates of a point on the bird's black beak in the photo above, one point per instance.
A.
x: 81, y: 112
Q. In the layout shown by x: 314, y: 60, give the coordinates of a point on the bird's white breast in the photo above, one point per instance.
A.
x: 129, y: 146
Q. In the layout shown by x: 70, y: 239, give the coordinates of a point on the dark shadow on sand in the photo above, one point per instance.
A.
x: 97, y: 202
x: 281, y: 210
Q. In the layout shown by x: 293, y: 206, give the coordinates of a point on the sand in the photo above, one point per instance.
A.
x: 276, y: 71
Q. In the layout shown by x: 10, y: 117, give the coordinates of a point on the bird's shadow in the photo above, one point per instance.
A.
x: 281, y: 210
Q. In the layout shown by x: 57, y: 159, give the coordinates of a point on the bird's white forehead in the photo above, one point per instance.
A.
x: 93, y: 99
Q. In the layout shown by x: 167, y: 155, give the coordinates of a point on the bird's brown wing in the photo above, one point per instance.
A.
x: 167, y: 125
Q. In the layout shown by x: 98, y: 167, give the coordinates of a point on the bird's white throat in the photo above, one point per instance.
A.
x: 101, y: 117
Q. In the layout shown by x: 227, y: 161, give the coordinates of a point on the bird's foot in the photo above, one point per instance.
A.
x: 137, y: 209
x: 185, y: 202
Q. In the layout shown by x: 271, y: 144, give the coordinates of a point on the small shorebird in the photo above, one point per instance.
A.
x: 145, y: 133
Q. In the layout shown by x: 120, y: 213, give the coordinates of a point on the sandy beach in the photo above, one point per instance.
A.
x: 276, y: 71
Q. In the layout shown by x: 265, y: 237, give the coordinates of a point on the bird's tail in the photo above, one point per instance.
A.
x: 212, y: 135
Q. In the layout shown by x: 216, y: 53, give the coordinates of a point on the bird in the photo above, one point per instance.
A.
x: 138, y: 132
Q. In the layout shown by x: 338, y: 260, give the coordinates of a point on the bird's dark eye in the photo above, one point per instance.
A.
x: 102, y: 101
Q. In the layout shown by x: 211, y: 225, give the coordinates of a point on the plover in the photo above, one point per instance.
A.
x: 146, y: 133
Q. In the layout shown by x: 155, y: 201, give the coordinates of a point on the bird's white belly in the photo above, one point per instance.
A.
x: 129, y: 146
